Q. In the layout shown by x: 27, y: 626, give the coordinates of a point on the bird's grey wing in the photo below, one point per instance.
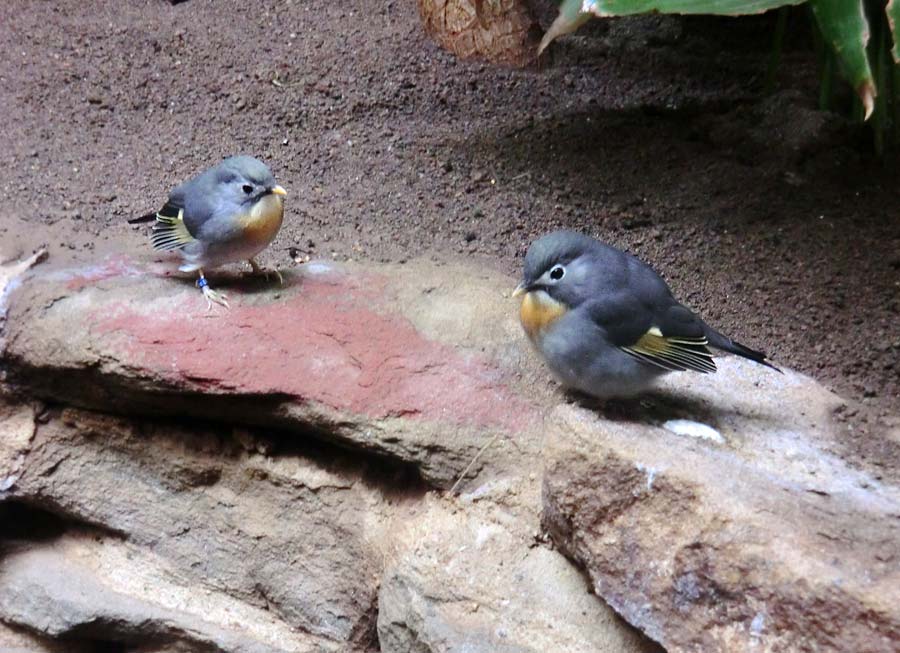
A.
x: 662, y: 334
x: 621, y: 316
x: 198, y: 201
x: 678, y: 325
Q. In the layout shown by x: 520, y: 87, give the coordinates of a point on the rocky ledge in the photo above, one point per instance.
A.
x: 371, y: 458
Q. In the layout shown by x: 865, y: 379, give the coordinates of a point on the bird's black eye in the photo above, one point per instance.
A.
x: 247, y: 188
x: 557, y: 273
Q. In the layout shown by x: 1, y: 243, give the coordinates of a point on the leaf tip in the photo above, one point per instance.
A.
x: 867, y: 95
x: 545, y: 41
x: 561, y: 26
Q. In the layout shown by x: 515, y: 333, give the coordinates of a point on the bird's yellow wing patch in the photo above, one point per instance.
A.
x: 263, y: 221
x: 672, y: 353
x: 539, y: 311
x: 170, y: 232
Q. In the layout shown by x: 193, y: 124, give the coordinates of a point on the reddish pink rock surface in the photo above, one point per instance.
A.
x: 333, y: 343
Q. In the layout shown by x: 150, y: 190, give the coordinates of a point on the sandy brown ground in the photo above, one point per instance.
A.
x: 767, y: 217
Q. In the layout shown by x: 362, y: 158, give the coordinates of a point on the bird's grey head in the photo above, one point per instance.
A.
x: 559, y: 264
x: 246, y: 180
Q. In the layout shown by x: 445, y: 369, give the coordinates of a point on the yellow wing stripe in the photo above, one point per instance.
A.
x: 170, y: 232
x: 674, y: 353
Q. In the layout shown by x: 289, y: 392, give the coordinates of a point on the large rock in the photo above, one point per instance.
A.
x: 745, y: 532
x: 186, y: 463
x: 418, y: 363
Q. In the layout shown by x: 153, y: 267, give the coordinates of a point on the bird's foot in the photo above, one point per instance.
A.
x: 257, y: 269
x: 212, y: 297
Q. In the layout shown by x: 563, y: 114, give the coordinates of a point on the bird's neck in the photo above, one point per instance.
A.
x: 263, y: 221
x: 539, y: 310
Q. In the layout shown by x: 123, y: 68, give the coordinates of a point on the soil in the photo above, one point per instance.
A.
x: 766, y: 216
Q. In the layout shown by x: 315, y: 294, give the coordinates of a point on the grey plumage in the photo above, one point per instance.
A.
x: 615, y: 325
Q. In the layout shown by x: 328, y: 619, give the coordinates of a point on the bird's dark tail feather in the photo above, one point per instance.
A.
x: 149, y: 217
x: 725, y: 343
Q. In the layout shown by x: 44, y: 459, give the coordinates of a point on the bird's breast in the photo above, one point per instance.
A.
x: 539, y: 310
x: 262, y: 222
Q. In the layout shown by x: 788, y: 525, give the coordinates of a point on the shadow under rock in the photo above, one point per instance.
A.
x: 226, y: 442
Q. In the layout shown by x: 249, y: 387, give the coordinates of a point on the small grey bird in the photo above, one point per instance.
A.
x: 606, y: 323
x: 230, y: 212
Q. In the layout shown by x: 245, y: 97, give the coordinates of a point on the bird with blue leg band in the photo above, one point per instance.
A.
x: 230, y: 212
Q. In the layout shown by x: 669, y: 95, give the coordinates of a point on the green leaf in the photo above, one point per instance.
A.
x: 843, y: 25
x: 605, y: 8
x: 893, y: 15
x: 574, y: 13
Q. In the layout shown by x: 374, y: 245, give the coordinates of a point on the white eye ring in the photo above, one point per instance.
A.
x: 557, y: 272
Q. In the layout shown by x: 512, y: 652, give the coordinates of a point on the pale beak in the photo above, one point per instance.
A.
x: 278, y: 190
x: 520, y: 290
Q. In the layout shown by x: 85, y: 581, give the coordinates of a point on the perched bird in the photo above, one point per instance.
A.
x: 606, y: 323
x: 230, y: 212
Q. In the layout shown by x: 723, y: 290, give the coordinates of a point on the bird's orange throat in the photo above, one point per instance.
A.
x: 539, y: 310
x: 263, y: 221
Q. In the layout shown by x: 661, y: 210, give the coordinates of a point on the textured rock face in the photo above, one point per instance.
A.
x: 273, y: 478
x: 199, y: 540
x: 82, y: 587
x: 758, y: 539
x: 471, y: 576
x: 361, y: 356
x: 281, y: 535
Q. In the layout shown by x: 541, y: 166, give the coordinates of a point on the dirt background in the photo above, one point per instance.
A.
x: 767, y: 217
